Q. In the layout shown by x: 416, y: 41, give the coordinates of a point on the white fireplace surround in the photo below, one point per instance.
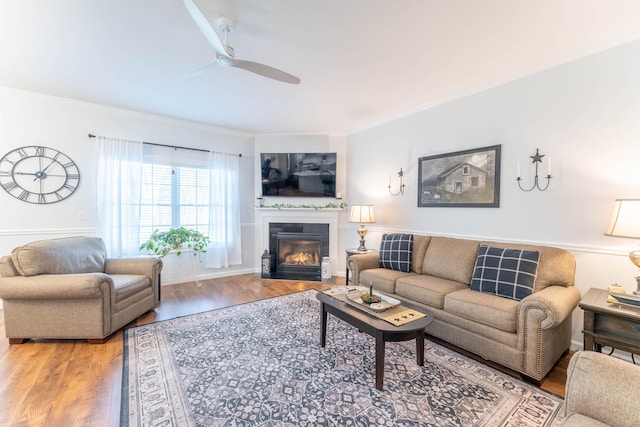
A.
x: 265, y: 216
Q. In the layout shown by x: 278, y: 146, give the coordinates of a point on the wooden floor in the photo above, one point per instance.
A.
x: 74, y: 383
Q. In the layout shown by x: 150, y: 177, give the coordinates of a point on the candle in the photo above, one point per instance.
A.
x: 338, y: 195
x: 259, y: 196
x: 370, y: 289
x: 549, y: 166
x: 518, y: 168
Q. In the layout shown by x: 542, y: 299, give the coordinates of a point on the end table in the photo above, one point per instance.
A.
x: 350, y: 252
x: 609, y: 324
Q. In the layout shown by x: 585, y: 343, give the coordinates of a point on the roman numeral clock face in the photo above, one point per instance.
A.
x: 37, y: 174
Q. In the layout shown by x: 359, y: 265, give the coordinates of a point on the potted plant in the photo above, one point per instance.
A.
x: 162, y: 242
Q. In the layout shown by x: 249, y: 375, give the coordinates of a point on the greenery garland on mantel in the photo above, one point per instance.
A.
x: 281, y: 206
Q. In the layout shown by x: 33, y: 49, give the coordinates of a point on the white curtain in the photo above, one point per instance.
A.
x: 119, y: 177
x: 224, y: 211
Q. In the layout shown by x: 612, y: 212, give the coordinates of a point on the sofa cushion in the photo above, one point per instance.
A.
x: 420, y: 245
x: 429, y: 290
x: 451, y: 258
x: 70, y: 255
x: 395, y: 251
x: 490, y: 310
x: 382, y: 279
x: 509, y: 273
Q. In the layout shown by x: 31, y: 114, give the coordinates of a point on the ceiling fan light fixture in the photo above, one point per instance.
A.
x: 226, y: 61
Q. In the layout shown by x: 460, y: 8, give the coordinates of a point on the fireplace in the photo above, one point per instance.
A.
x: 297, y: 249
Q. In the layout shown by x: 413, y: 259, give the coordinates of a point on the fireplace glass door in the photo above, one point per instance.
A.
x: 299, y: 254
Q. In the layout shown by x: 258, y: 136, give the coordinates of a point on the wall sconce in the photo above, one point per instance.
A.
x: 625, y: 222
x: 537, y: 158
x: 362, y: 214
x: 401, y: 189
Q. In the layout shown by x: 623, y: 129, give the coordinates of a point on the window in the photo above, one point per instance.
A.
x: 175, y: 193
x: 142, y: 187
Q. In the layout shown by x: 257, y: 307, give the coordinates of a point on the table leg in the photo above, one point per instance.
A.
x: 420, y: 349
x: 379, y: 360
x: 589, y: 325
x: 346, y: 275
x: 323, y: 325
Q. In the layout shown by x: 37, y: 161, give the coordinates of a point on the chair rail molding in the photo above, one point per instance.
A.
x: 85, y: 231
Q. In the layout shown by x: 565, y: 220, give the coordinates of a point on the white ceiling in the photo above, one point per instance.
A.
x: 361, y: 62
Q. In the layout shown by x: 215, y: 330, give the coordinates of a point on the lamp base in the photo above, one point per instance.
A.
x: 634, y: 256
x: 362, y: 231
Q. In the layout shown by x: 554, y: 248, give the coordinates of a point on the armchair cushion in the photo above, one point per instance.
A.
x: 71, y: 255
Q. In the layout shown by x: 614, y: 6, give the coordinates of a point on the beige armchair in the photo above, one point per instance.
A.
x: 68, y: 288
x: 601, y: 391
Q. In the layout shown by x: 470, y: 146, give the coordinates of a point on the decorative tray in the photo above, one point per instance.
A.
x: 626, y: 299
x: 385, y: 304
x: 341, y: 290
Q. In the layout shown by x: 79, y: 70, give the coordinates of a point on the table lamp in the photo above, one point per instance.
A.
x: 625, y: 222
x: 362, y: 214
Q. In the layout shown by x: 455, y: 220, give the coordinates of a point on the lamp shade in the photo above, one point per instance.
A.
x: 362, y: 214
x: 625, y: 221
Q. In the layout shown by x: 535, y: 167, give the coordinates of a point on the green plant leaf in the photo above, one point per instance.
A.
x: 161, y: 243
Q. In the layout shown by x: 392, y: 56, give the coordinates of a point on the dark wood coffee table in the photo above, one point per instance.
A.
x: 381, y: 330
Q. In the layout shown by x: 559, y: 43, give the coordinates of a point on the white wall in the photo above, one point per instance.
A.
x: 584, y: 115
x: 32, y: 119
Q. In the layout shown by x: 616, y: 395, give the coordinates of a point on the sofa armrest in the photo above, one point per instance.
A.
x: 603, y: 388
x: 556, y: 302
x: 57, y: 286
x: 359, y: 262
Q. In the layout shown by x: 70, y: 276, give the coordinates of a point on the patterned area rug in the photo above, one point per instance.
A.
x: 260, y: 364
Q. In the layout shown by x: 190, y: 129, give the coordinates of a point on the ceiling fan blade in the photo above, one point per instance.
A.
x: 262, y: 70
x: 199, y: 70
x: 205, y: 27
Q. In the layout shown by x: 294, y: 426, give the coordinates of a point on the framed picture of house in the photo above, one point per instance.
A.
x: 469, y: 178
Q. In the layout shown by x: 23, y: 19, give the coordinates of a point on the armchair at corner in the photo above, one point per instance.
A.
x: 601, y: 391
x: 68, y: 289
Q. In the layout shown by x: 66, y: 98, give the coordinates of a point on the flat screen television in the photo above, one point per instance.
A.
x: 298, y: 174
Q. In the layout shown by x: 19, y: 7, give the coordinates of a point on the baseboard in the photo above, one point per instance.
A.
x: 216, y: 275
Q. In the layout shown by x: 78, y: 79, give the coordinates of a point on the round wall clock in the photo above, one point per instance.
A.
x: 37, y: 174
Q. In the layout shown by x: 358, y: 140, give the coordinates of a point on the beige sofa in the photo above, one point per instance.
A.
x: 601, y: 391
x: 68, y: 288
x: 528, y: 336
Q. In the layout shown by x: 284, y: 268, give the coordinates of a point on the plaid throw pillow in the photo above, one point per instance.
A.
x: 509, y: 273
x: 395, y: 251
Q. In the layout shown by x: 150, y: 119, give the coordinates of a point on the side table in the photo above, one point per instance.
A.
x: 350, y: 252
x: 609, y: 324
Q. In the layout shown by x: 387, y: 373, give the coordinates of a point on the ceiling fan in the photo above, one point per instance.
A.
x: 225, y: 55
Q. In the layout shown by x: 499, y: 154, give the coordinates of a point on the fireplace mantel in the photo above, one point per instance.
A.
x: 266, y: 215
